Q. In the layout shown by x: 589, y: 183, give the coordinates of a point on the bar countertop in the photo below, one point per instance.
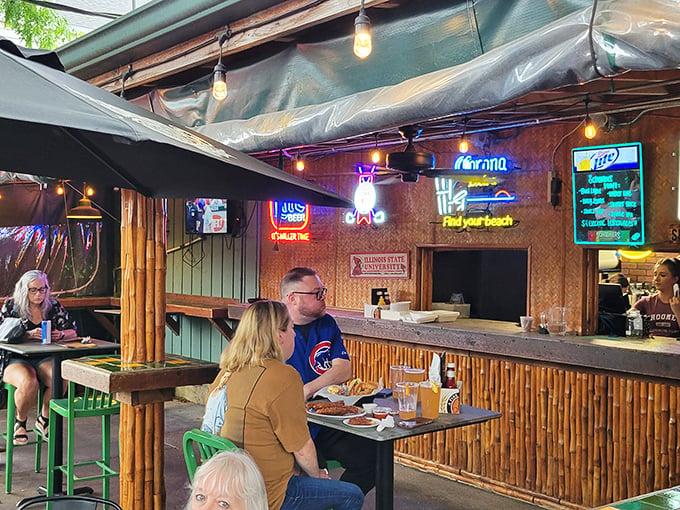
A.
x: 653, y: 358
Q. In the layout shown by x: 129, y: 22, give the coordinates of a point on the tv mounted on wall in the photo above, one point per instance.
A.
x: 608, y: 195
x: 206, y: 216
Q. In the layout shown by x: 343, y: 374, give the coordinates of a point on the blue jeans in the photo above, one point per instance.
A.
x: 304, y: 493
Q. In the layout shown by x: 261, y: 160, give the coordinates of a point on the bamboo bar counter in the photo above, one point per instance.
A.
x: 585, y: 420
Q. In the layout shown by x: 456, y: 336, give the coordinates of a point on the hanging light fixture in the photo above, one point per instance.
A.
x: 60, y: 189
x: 590, y: 130
x: 84, y: 210
x: 375, y: 155
x: 219, y: 87
x: 363, y: 44
x: 463, y: 145
x: 299, y: 162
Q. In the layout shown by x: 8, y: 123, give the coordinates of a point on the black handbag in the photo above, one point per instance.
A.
x: 11, y: 330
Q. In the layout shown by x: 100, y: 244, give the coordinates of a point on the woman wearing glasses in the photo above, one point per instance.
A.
x: 33, y: 303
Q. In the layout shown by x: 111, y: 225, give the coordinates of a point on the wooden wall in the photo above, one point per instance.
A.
x: 220, y: 265
x: 565, y: 439
x: 557, y: 267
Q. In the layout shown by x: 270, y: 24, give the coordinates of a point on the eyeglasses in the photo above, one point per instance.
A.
x: 40, y: 290
x: 320, y: 294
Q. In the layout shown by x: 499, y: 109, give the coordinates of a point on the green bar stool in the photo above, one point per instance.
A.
x: 92, y: 403
x: 207, y: 445
x: 9, y: 436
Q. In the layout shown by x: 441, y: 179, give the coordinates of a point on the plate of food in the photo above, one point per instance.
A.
x: 351, y: 391
x: 362, y: 422
x: 338, y: 410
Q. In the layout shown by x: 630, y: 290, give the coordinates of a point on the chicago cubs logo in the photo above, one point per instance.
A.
x: 319, y: 358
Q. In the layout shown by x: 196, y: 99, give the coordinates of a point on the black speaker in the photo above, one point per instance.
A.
x: 235, y: 211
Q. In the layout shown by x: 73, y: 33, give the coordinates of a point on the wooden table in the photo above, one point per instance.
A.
x: 139, y: 382
x: 58, y: 352
x: 384, y: 483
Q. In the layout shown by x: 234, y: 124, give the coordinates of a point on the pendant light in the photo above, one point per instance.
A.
x: 363, y: 44
x: 375, y: 155
x: 589, y: 131
x: 219, y: 87
x: 464, y: 145
x: 85, y: 210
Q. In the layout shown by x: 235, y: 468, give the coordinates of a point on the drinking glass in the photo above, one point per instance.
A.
x: 407, y: 393
x: 396, y: 376
x: 415, y: 375
x: 557, y: 320
x: 429, y: 399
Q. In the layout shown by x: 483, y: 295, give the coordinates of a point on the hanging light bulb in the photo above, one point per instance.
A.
x: 219, y: 87
x: 89, y: 191
x: 299, y: 163
x: 375, y: 155
x: 363, y: 44
x: 463, y: 145
x: 590, y: 130
x: 60, y: 189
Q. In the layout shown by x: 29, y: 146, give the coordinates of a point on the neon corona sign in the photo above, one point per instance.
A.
x: 492, y: 164
x: 289, y: 219
x: 365, y: 198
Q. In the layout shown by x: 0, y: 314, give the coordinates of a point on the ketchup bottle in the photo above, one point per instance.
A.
x: 451, y: 375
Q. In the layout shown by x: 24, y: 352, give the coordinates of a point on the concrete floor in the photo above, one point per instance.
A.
x: 413, y: 489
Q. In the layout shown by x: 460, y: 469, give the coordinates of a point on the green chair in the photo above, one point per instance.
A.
x: 207, y: 445
x: 92, y: 403
x: 9, y: 436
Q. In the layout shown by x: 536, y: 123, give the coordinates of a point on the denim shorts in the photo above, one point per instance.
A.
x: 33, y: 362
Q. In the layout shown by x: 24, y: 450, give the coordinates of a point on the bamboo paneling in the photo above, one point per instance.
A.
x: 143, y: 246
x: 566, y: 438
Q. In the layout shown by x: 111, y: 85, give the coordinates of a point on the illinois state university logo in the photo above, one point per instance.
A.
x: 319, y: 358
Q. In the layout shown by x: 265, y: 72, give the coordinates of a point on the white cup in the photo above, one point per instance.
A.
x: 526, y: 322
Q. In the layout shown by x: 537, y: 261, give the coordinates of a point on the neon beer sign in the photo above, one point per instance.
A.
x: 365, y: 198
x: 290, y: 221
x: 468, y: 162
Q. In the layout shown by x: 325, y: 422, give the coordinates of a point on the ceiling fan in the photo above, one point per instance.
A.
x: 411, y: 163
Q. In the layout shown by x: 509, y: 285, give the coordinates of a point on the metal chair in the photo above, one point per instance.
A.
x: 92, y: 403
x: 9, y: 436
x: 207, y: 445
x: 68, y: 503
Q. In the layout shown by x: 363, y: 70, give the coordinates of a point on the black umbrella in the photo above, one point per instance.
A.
x: 55, y: 125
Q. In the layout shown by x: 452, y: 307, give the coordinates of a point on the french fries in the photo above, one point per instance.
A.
x: 358, y: 387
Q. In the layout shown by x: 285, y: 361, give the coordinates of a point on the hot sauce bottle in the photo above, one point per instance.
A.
x: 450, y: 375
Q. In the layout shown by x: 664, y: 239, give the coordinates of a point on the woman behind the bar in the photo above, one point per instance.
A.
x: 663, y: 307
x: 229, y: 479
x: 266, y: 414
x: 32, y: 302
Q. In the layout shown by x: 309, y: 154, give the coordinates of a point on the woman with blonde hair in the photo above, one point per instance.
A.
x: 266, y: 414
x: 229, y: 479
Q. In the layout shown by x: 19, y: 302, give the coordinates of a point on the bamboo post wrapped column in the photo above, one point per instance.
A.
x: 142, y: 337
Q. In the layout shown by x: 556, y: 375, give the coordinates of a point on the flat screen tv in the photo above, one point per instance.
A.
x: 608, y: 195
x: 206, y: 216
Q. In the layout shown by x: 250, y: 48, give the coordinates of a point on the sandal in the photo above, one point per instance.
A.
x: 20, y: 438
x: 42, y: 425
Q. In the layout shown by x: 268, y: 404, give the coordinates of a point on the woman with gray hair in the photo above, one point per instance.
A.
x: 229, y: 479
x: 32, y: 302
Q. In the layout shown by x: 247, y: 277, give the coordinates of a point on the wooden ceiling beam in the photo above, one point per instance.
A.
x: 277, y: 22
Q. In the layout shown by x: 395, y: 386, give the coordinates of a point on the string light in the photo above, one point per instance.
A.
x: 89, y: 191
x: 590, y: 130
x: 463, y: 145
x: 60, y: 190
x: 299, y: 163
x: 363, y: 44
x: 375, y: 155
x: 219, y: 87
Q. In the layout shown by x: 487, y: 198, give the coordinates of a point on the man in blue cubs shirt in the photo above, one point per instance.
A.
x: 321, y: 359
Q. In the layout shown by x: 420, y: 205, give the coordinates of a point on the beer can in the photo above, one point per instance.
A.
x: 47, y: 332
